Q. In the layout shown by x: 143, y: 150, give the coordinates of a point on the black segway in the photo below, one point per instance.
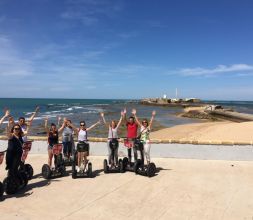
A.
x: 129, y: 165
x: 69, y: 161
x: 59, y: 167
x: 86, y: 168
x: 27, y: 168
x: 1, y: 184
x: 15, y: 181
x: 116, y: 167
x: 141, y: 168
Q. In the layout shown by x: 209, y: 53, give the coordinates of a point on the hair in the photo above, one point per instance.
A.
x: 82, y: 122
x: 115, y: 122
x: 53, y: 124
x: 20, y: 130
x: 145, y: 120
x: 21, y: 118
x: 131, y: 117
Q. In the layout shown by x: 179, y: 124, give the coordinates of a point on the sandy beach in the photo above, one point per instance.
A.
x: 183, y: 189
x: 208, y: 131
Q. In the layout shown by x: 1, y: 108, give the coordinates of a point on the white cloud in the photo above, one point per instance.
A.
x: 220, y: 69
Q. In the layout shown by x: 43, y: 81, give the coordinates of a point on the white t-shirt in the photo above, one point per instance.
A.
x: 113, y: 132
x: 82, y: 135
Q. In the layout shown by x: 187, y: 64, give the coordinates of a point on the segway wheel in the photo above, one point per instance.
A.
x: 151, y: 170
x: 125, y: 162
x: 62, y: 170
x: 10, y: 185
x: 23, y: 178
x: 121, y: 166
x: 74, y: 174
x: 89, y: 170
x: 46, y: 171
x: 137, y: 165
x: 29, y: 171
x: 106, y: 168
x: 1, y: 189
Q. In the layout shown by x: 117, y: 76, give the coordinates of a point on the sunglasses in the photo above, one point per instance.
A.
x: 17, y: 129
x: 82, y: 125
x: 144, y: 122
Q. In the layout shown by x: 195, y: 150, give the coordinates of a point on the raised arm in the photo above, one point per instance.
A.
x: 59, y: 121
x: 34, y: 114
x: 152, y: 119
x: 46, y: 125
x: 63, y: 125
x: 120, y: 120
x: 103, y: 117
x: 136, y: 118
x: 124, y: 117
x: 93, y: 126
x: 7, y: 113
x: 9, y: 126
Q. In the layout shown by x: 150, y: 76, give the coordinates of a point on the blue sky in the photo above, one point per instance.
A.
x: 126, y: 48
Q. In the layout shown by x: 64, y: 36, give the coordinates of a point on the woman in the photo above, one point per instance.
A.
x: 113, y: 137
x: 144, y: 133
x: 82, y: 138
x: 53, y: 138
x: 14, y: 150
x: 67, y: 138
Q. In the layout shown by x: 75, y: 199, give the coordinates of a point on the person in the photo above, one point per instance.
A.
x: 132, y: 128
x: 145, y: 128
x: 53, y: 138
x: 14, y: 150
x: 25, y: 125
x: 67, y: 138
x: 7, y: 113
x: 82, y: 138
x: 113, y: 136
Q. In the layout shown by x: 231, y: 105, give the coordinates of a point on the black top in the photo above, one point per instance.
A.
x: 53, y: 138
x: 14, y: 150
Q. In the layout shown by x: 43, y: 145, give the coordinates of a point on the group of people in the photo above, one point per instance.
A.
x: 17, y: 135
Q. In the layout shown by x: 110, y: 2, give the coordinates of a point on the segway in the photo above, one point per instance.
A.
x: 69, y: 161
x: 27, y: 168
x: 141, y: 168
x: 14, y: 182
x: 129, y: 165
x: 1, y: 184
x: 85, y: 168
x: 59, y: 167
x: 115, y: 168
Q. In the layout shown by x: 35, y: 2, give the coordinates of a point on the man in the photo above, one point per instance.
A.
x: 132, y: 128
x: 26, y: 125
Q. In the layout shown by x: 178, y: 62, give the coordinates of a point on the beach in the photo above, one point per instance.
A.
x: 230, y: 132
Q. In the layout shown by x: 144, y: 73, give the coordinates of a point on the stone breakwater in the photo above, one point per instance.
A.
x: 171, y: 102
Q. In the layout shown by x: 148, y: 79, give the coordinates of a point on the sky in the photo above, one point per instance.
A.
x: 126, y: 49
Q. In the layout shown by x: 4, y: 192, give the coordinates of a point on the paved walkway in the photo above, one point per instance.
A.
x: 183, y: 189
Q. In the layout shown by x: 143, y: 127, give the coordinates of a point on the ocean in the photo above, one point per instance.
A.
x: 89, y: 109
